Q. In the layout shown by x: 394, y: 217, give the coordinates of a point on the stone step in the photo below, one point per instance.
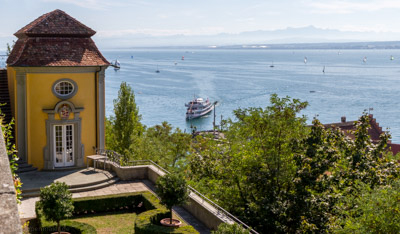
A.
x: 107, y: 183
x: 26, y: 169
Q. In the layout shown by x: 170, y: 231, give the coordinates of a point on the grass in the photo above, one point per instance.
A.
x: 114, y: 222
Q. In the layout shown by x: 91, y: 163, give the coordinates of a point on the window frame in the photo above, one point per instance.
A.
x: 63, y: 96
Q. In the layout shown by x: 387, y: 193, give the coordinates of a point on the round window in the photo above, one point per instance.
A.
x: 64, y: 88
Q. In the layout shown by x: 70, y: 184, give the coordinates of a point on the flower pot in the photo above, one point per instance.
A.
x: 175, y: 222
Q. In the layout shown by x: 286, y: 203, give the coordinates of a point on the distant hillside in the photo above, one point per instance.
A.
x: 289, y: 37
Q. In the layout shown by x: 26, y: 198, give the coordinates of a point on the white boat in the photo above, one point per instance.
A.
x: 198, y: 107
x: 365, y: 59
x: 116, y: 64
x: 305, y: 60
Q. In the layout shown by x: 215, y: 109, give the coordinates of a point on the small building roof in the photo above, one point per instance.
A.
x: 55, y: 39
x: 348, y: 128
x: 55, y: 23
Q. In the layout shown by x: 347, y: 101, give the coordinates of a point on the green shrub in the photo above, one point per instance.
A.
x: 226, y: 228
x: 56, y: 202
x: 44, y: 226
x: 172, y: 190
x: 134, y: 202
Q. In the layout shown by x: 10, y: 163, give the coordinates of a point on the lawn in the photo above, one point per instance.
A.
x: 110, y: 222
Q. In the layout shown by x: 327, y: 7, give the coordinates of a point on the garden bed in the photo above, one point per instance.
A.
x: 123, y: 213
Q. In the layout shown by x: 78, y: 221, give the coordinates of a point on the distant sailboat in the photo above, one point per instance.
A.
x: 157, y: 71
x: 116, y: 64
x: 305, y: 60
x: 365, y: 59
x: 272, y: 65
x: 391, y: 57
x: 183, y: 58
x: 323, y: 70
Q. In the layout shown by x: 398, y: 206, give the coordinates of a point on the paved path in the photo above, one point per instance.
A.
x: 38, y: 179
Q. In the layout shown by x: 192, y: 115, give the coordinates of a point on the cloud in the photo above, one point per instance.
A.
x: 348, y: 7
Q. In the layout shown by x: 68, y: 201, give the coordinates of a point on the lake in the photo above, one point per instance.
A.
x: 244, y: 78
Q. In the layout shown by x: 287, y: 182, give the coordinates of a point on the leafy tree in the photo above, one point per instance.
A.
x: 172, y: 190
x: 280, y: 176
x: 125, y: 129
x: 376, y: 211
x: 251, y: 170
x: 226, y: 228
x: 10, y: 47
x: 56, y: 202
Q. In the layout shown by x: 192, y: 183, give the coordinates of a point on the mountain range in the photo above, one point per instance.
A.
x: 289, y: 36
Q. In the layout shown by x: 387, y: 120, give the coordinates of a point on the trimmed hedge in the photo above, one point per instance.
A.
x: 133, y: 202
x: 149, y: 221
x: 44, y: 226
x: 146, y: 222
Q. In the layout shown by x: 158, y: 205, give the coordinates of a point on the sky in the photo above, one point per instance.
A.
x: 124, y: 18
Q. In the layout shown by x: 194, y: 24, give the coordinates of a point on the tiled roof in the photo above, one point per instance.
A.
x: 55, y: 23
x: 55, y: 39
x: 374, y: 132
x: 348, y: 127
x: 56, y: 51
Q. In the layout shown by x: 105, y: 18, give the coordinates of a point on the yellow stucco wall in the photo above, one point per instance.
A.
x: 40, y: 96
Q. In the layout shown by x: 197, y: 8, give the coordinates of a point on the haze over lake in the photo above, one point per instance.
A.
x: 244, y: 78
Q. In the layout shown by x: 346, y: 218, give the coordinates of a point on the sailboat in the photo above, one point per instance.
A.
x: 116, y: 64
x: 183, y: 58
x: 391, y: 57
x: 365, y: 59
x: 305, y: 60
x: 157, y: 71
x: 323, y: 70
x: 272, y: 65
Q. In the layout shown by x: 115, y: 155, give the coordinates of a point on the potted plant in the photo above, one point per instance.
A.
x: 173, y: 191
x: 56, y: 202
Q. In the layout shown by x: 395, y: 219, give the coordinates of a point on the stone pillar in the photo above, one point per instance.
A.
x: 21, y: 117
x: 101, y: 111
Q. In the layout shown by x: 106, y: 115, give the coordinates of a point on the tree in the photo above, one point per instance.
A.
x: 172, y: 190
x: 10, y: 47
x: 126, y: 127
x: 376, y: 211
x: 280, y: 176
x: 251, y: 170
x: 226, y: 228
x: 56, y: 202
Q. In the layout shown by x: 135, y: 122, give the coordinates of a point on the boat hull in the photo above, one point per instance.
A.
x: 199, y: 114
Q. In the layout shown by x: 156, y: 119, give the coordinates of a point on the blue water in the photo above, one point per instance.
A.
x: 244, y: 78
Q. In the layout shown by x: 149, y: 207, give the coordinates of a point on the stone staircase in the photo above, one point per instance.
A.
x: 106, y: 179
x: 25, y: 167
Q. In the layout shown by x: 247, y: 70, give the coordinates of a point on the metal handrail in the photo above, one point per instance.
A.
x: 116, y: 158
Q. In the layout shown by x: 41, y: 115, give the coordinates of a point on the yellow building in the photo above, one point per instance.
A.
x: 56, y: 86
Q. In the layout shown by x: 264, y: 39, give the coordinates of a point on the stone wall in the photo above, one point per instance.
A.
x: 9, y: 216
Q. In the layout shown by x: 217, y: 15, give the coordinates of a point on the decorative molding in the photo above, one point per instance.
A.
x: 50, y: 122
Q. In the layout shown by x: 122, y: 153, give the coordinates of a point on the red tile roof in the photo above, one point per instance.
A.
x: 348, y: 127
x: 55, y: 23
x: 55, y: 39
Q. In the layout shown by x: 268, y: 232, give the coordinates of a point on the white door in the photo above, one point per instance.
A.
x: 63, y: 145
